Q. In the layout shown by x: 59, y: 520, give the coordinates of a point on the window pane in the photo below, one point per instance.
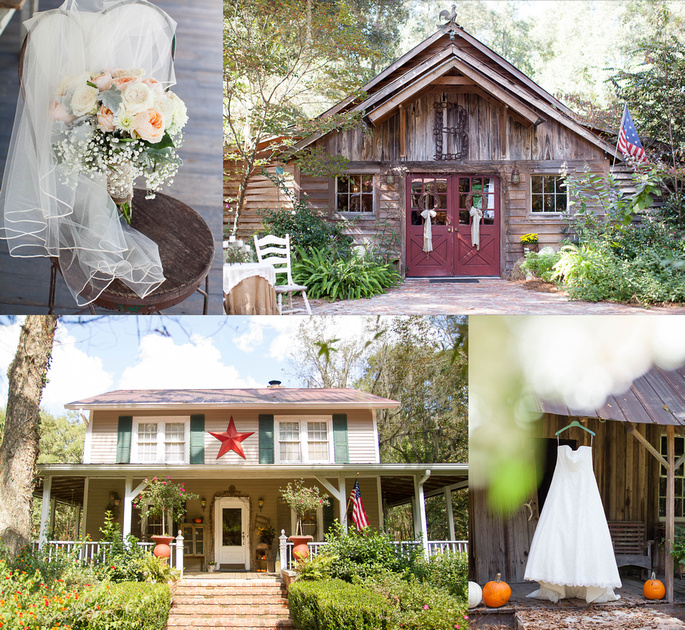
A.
x: 174, y: 431
x: 343, y: 203
x: 290, y: 452
x: 442, y: 185
x: 548, y: 184
x: 147, y: 431
x: 354, y: 204
x: 231, y: 527
x: 290, y: 430
x: 537, y: 203
x: 561, y: 203
x: 173, y: 452
x: 464, y: 185
x: 367, y: 203
x: 549, y: 203
x: 343, y: 184
x: 355, y: 183
x: 317, y: 430
x: 367, y: 183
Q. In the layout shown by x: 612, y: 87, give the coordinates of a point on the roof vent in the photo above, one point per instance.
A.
x: 275, y: 384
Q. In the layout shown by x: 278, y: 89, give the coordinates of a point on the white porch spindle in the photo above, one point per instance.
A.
x: 45, y: 510
x: 179, y: 552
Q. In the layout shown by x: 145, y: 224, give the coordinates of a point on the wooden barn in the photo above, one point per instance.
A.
x: 638, y: 455
x: 454, y: 134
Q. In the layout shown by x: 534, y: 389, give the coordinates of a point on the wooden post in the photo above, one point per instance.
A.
x: 403, y: 132
x: 503, y: 116
x: 45, y: 510
x: 179, y: 552
x: 670, y: 510
x: 84, y: 510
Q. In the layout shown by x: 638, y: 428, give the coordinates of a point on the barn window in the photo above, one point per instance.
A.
x: 679, y: 479
x: 354, y: 193
x: 548, y: 194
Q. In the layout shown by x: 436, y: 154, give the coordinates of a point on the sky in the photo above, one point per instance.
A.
x: 204, y: 352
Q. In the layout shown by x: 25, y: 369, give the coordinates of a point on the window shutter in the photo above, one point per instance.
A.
x: 342, y: 455
x: 266, y: 439
x: 197, y: 439
x: 328, y: 514
x: 124, y: 439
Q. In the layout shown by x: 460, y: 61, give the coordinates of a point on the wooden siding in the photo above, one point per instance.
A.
x: 628, y: 481
x: 361, y: 435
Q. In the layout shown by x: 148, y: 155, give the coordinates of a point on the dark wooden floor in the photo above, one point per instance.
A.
x: 24, y: 283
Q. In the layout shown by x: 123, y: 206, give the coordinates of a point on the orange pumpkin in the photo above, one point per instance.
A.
x: 654, y: 589
x: 496, y: 593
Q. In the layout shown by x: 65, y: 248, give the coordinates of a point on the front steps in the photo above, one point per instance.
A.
x: 250, y: 600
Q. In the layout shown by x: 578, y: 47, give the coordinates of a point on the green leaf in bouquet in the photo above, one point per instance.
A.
x: 112, y: 99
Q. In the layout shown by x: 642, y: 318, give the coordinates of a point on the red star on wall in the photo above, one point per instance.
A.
x: 231, y: 439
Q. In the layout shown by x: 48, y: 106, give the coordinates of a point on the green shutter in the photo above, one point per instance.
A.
x: 266, y: 439
x: 342, y: 455
x: 328, y: 515
x: 197, y: 439
x: 124, y: 439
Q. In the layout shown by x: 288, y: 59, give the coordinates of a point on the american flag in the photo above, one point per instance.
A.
x: 628, y: 142
x: 358, y: 513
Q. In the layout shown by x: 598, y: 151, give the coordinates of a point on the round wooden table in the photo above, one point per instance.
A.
x: 186, y: 249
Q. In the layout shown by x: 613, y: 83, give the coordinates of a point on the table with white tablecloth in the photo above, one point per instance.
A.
x: 249, y: 289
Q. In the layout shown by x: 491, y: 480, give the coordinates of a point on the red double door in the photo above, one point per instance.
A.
x: 453, y: 253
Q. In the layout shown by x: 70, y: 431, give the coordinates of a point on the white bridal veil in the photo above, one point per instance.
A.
x: 43, y: 215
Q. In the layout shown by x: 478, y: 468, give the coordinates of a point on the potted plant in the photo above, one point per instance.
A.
x: 211, y: 567
x: 164, y: 499
x: 529, y: 242
x: 302, y: 500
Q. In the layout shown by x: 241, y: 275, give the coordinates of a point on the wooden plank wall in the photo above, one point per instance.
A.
x: 262, y: 194
x: 628, y: 481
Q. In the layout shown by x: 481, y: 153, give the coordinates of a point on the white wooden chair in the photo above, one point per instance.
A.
x: 276, y: 251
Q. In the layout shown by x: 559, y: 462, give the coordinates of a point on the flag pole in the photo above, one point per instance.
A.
x: 623, y: 119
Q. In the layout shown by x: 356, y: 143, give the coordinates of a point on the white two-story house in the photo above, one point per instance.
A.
x: 328, y: 437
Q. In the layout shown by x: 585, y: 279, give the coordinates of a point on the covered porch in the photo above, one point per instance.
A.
x: 250, y: 495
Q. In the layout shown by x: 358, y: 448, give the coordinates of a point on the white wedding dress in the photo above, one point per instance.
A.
x: 571, y: 554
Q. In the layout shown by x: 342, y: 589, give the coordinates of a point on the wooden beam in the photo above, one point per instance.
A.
x: 670, y: 511
x: 403, y: 131
x: 450, y: 80
x: 387, y: 109
x: 643, y: 440
x: 503, y: 118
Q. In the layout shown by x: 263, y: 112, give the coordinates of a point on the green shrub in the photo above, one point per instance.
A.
x: 418, y: 605
x: 337, y: 605
x: 449, y: 571
x: 356, y: 277
x: 361, y: 555
x: 541, y: 264
x: 315, y: 567
x: 121, y: 558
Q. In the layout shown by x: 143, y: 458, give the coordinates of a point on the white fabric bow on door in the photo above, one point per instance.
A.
x: 428, y: 216
x: 476, y: 216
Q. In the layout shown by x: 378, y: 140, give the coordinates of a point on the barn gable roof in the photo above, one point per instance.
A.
x: 457, y: 60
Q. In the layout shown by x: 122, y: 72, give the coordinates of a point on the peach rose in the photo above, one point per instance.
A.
x: 153, y: 84
x: 123, y: 82
x: 60, y: 113
x: 104, y: 81
x: 150, y: 125
x: 105, y: 119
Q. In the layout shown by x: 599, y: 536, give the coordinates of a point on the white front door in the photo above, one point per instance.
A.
x: 231, y: 531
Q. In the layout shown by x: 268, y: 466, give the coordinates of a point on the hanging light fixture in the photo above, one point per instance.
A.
x: 515, y: 176
x: 203, y: 503
x: 260, y: 503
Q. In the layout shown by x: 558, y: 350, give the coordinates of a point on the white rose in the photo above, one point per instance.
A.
x: 84, y: 100
x: 180, y: 111
x: 166, y: 107
x: 138, y: 97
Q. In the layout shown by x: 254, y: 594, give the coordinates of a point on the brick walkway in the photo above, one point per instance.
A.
x: 490, y: 296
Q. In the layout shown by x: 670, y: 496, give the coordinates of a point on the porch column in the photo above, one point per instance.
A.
x: 53, y: 509
x: 381, y: 517
x: 670, y: 510
x: 450, y: 513
x: 342, y: 505
x: 84, y: 509
x: 45, y: 510
x: 421, y: 509
x: 130, y: 493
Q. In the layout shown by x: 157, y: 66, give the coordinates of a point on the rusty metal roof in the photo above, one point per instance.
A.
x: 244, y: 398
x: 657, y: 397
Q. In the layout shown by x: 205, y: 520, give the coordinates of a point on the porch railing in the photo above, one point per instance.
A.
x: 94, y: 552
x: 315, y: 548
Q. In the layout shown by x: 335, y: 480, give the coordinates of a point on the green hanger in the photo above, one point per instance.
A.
x: 575, y: 423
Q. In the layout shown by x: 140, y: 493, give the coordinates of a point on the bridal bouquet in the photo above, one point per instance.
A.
x: 120, y: 124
